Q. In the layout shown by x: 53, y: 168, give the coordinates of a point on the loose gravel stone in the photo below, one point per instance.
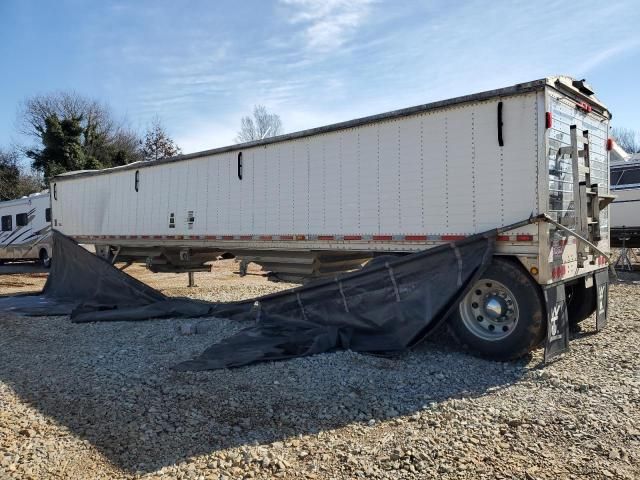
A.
x: 100, y: 401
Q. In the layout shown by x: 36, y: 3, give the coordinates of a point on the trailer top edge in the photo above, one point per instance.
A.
x: 516, y: 89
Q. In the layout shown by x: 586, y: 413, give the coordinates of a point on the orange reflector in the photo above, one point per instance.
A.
x: 524, y: 238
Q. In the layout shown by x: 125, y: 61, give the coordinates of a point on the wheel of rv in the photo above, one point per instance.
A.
x: 45, y: 259
x: 581, y: 302
x: 503, y: 315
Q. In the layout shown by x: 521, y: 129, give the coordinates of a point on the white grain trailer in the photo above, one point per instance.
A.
x: 324, y: 199
x: 25, y: 226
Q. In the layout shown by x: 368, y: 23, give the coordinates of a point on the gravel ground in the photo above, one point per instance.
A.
x: 101, y: 401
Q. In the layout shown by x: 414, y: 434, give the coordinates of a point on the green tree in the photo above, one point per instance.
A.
x: 62, y: 148
x: 14, y: 183
x: 75, y: 131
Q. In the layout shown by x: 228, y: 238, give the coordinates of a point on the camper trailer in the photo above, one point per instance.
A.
x: 324, y: 200
x: 25, y: 229
x: 625, y: 210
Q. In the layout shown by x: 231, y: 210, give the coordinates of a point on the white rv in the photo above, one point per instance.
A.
x: 25, y: 226
x: 625, y: 210
x: 322, y: 200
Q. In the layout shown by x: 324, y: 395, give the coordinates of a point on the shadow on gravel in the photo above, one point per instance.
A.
x: 120, y: 396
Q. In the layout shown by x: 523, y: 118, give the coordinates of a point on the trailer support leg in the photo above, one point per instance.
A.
x: 192, y: 279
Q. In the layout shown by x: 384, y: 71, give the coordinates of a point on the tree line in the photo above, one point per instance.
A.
x: 68, y: 131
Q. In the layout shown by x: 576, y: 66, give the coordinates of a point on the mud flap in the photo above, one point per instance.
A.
x: 557, y: 323
x: 602, y: 289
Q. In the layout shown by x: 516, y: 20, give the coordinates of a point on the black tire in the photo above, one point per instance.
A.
x: 581, y: 302
x: 525, y: 327
x: 45, y: 259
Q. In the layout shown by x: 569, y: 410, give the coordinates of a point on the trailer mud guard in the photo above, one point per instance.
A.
x: 557, y: 322
x: 602, y: 289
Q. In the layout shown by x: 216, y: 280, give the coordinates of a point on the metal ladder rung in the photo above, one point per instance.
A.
x: 562, y: 151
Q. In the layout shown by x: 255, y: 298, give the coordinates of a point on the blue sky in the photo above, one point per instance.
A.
x: 200, y: 65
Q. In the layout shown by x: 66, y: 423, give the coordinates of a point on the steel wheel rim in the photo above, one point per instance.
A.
x: 490, y: 310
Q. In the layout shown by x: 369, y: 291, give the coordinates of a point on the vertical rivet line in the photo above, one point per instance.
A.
x: 266, y: 186
x: 446, y: 170
x: 378, y: 175
x: 422, y: 170
x: 308, y: 186
x: 399, y: 178
x: 279, y: 195
x: 340, y: 162
x: 473, y: 171
x: 293, y: 186
x: 324, y: 185
x: 254, y: 157
x: 358, y: 177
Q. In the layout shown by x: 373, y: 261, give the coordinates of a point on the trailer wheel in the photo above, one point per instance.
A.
x: 581, y: 302
x: 503, y: 315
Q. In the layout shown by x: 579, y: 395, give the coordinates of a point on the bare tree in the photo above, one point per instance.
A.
x: 627, y: 138
x: 157, y: 143
x: 262, y: 125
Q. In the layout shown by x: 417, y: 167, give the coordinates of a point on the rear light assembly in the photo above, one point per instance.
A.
x: 548, y: 120
x: 609, y: 144
x: 584, y: 106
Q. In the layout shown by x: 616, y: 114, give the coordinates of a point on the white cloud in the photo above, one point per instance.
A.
x: 328, y: 23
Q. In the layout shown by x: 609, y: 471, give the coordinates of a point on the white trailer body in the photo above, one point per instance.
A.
x: 321, y: 200
x: 25, y: 226
x: 395, y: 182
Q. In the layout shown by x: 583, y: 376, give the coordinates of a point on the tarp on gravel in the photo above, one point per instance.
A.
x: 387, y: 307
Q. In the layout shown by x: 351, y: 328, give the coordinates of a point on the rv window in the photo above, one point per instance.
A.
x: 21, y: 219
x: 47, y: 215
x: 6, y: 223
x: 615, y: 177
x: 630, y: 177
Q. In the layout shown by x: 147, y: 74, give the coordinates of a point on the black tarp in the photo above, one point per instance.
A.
x: 385, y: 308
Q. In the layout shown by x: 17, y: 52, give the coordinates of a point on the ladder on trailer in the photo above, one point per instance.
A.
x: 588, y: 198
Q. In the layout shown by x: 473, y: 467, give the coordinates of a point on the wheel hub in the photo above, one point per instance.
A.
x: 490, y: 310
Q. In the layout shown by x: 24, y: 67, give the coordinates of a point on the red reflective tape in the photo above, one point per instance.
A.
x: 145, y: 237
x: 382, y: 237
x: 157, y: 237
x: 286, y: 237
x: 524, y: 238
x: 416, y: 238
x: 227, y: 237
x: 450, y: 238
x: 502, y: 238
x: 210, y: 237
x: 266, y: 237
x: 353, y: 237
x: 246, y: 237
x: 179, y: 237
x: 326, y: 237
